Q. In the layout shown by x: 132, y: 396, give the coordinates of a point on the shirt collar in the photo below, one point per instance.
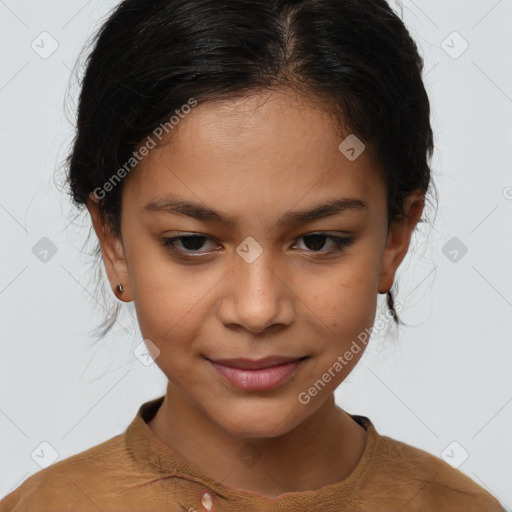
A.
x: 153, y: 455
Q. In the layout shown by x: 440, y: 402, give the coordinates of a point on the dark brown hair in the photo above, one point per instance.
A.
x: 151, y: 56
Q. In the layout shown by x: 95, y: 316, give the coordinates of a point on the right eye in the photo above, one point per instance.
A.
x: 185, y: 244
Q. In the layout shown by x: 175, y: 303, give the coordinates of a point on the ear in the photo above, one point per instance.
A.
x: 399, y: 237
x: 112, y: 251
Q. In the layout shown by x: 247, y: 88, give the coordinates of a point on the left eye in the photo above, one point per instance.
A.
x: 314, y: 242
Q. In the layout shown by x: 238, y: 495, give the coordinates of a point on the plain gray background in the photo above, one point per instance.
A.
x: 442, y: 384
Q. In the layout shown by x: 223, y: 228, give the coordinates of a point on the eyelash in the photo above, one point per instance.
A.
x: 340, y: 243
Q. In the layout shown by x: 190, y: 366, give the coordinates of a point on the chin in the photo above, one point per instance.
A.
x: 258, y: 421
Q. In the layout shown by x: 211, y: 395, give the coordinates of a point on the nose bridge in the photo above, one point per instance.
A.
x: 259, y: 297
x: 256, y: 275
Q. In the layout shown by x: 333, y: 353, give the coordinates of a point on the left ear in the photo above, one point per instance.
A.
x: 399, y: 237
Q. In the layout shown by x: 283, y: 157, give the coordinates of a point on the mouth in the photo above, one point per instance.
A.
x: 257, y: 375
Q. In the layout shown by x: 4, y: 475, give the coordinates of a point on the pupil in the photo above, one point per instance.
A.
x: 318, y: 241
x: 195, y: 241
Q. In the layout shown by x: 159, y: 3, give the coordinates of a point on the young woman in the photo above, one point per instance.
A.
x: 254, y: 172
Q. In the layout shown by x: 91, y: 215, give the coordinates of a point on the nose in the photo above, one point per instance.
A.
x: 256, y: 296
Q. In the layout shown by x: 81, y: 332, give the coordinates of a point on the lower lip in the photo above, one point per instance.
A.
x: 257, y: 380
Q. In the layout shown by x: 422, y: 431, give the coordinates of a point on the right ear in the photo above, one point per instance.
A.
x: 111, y: 249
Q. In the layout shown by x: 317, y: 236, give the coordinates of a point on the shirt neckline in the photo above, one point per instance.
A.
x: 151, y: 453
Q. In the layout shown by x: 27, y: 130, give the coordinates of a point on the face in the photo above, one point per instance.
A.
x: 266, y: 271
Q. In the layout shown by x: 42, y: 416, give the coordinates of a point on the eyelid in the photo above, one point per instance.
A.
x: 169, y: 241
x: 341, y: 243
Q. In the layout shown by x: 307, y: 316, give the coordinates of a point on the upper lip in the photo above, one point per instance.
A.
x: 256, y: 364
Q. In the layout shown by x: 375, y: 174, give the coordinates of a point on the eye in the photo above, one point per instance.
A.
x: 191, y: 245
x: 316, y: 241
x: 185, y: 244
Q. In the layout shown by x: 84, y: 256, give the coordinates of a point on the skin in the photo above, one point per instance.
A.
x: 256, y: 159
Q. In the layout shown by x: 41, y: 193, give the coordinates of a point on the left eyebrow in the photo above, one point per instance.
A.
x: 332, y: 207
x: 197, y: 211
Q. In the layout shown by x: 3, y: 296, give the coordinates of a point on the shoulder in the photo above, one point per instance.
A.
x: 75, y: 481
x: 423, y: 481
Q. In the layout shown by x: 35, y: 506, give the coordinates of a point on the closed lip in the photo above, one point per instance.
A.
x: 257, y: 364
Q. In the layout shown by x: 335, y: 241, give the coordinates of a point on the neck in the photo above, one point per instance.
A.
x: 323, y: 449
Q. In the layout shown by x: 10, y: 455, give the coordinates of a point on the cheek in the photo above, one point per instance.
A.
x: 344, y: 306
x: 343, y: 300
x: 342, y: 331
x: 169, y: 301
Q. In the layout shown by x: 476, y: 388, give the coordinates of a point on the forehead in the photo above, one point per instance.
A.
x: 275, y: 147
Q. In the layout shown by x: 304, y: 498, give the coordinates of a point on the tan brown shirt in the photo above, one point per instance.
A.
x: 135, y: 471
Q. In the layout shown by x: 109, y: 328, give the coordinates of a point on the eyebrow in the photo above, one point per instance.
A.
x: 332, y: 207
